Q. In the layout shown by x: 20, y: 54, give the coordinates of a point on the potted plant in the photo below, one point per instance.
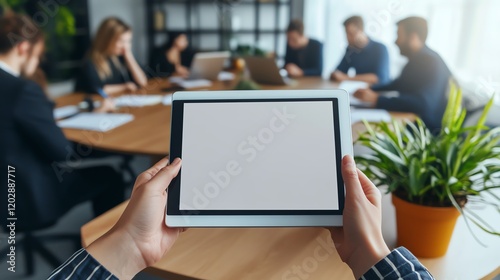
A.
x: 59, y: 29
x: 435, y: 178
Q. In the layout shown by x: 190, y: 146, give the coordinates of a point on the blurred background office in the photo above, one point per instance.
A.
x: 463, y: 32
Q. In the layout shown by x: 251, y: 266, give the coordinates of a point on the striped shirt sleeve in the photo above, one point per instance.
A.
x: 81, y: 266
x: 399, y: 264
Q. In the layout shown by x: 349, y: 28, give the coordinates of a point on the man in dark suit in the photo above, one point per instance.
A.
x: 423, y: 82
x: 45, y: 163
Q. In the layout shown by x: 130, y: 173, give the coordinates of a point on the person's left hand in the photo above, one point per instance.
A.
x: 140, y: 238
x: 367, y: 95
x: 127, y: 50
x: 339, y: 76
x: 294, y: 70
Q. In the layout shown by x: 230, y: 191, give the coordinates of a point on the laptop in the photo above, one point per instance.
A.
x: 208, y: 65
x: 264, y: 70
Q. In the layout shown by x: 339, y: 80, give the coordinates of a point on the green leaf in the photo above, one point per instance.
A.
x: 459, y: 161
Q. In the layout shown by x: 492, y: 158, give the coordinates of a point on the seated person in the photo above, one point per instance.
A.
x: 140, y: 238
x: 46, y: 163
x: 174, y: 58
x: 304, y: 56
x: 423, y: 82
x: 369, y: 58
x: 110, y: 64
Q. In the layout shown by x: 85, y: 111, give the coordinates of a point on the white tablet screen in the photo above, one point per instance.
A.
x: 259, y: 156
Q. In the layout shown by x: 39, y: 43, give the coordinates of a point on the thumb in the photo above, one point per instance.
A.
x: 350, y: 175
x: 163, y: 178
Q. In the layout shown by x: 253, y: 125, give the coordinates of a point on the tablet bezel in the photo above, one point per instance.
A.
x: 258, y: 218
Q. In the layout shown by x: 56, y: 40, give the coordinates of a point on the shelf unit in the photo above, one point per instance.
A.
x: 193, y: 11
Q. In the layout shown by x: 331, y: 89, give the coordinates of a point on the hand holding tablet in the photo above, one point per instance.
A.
x: 140, y: 238
x: 243, y: 158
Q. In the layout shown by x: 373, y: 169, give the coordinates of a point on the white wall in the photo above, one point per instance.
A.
x: 130, y: 11
x: 463, y: 32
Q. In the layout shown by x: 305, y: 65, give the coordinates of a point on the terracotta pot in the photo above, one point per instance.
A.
x: 425, y: 231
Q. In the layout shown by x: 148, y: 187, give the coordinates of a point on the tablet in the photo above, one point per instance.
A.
x: 258, y: 158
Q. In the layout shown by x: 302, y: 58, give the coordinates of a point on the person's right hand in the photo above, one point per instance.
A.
x: 107, y: 105
x: 366, y: 95
x: 130, y: 86
x: 294, y: 70
x: 359, y: 242
x: 338, y: 76
x: 182, y: 71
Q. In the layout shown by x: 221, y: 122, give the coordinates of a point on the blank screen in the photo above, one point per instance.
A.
x: 259, y: 156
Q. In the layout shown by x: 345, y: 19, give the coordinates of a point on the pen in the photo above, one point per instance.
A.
x: 101, y: 92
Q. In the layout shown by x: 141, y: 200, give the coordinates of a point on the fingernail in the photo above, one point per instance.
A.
x: 348, y: 161
x: 176, y: 161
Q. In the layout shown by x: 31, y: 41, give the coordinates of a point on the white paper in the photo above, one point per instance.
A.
x: 176, y: 80
x: 96, y: 121
x: 225, y: 76
x: 187, y: 84
x: 358, y: 103
x: 195, y: 83
x: 64, y: 112
x: 370, y: 115
x: 138, y: 100
x: 352, y: 86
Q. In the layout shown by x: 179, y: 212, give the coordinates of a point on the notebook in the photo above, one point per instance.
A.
x: 370, y: 115
x: 96, y: 121
x: 138, y: 100
x: 66, y: 111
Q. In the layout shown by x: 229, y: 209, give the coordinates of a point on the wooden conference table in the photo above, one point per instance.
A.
x: 257, y: 253
x: 149, y: 133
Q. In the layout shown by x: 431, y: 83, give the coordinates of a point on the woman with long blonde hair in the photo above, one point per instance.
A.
x: 111, y: 65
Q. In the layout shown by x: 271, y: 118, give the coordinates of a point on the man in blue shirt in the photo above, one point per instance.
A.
x: 423, y: 82
x: 369, y: 58
x: 304, y: 56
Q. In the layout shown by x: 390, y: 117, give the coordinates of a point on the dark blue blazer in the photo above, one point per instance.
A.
x: 32, y: 143
x: 308, y: 58
x: 422, y: 88
x: 372, y: 59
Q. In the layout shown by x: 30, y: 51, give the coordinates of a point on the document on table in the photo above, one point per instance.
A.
x: 225, y: 76
x: 138, y: 100
x: 351, y: 87
x: 370, y: 115
x: 96, y: 121
x: 187, y: 84
x: 66, y: 111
